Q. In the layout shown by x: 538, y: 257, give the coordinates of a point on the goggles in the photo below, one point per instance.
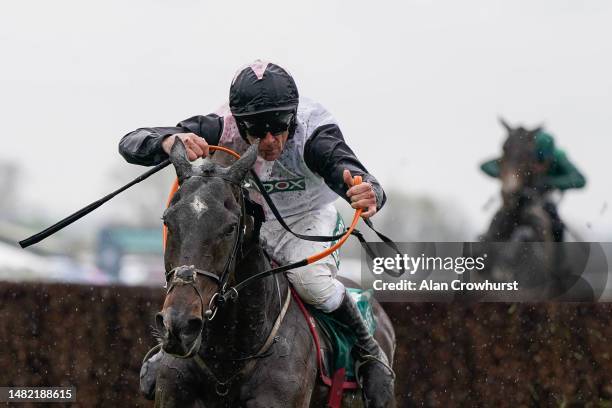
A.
x: 259, y: 125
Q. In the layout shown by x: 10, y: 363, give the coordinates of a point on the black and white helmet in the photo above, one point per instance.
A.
x: 262, y: 87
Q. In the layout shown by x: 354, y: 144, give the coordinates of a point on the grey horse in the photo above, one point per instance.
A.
x: 254, y: 350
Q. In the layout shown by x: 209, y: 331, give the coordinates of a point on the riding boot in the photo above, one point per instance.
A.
x: 372, y: 365
x: 148, y: 376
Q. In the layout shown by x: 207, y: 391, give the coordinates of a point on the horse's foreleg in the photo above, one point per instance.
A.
x: 288, y: 381
x: 282, y: 389
x: 173, y: 389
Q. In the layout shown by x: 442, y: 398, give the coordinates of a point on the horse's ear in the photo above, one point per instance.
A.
x: 238, y: 171
x: 178, y: 157
x: 505, y: 124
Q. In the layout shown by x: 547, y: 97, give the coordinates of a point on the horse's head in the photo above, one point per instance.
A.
x: 518, y: 160
x: 205, y: 225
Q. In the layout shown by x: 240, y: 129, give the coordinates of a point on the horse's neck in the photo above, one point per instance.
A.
x: 242, y: 326
x: 527, y: 201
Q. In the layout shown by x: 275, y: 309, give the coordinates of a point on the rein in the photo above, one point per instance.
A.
x: 222, y: 387
x: 224, y: 294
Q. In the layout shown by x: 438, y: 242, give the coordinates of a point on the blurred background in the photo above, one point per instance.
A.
x: 416, y: 86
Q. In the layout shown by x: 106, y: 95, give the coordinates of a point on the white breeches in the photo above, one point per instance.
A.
x: 316, y: 283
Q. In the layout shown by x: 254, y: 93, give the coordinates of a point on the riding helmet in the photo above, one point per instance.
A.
x: 263, y: 87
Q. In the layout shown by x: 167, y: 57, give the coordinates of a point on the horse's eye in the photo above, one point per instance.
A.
x: 170, y: 224
x: 230, y: 231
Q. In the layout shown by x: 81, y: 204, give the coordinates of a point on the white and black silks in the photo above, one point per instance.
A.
x: 307, y: 176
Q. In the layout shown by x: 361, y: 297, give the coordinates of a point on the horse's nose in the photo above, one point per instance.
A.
x: 193, y: 327
x: 180, y: 326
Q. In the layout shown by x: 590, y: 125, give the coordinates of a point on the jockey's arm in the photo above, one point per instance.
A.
x: 144, y: 146
x: 564, y: 174
x: 491, y: 168
x: 327, y: 154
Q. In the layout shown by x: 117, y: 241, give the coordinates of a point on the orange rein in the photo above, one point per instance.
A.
x: 320, y: 255
x: 310, y: 259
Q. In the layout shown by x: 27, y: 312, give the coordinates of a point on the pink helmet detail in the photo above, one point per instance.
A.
x: 259, y: 67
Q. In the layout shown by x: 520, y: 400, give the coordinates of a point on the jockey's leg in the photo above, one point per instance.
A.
x: 317, y: 285
x: 373, y: 371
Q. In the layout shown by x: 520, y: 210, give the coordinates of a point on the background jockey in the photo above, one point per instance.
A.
x: 304, y: 164
x: 556, y: 173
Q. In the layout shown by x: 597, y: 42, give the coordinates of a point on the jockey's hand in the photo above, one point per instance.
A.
x: 362, y: 195
x: 195, y: 145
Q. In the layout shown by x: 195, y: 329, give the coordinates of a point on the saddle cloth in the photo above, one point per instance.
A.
x: 336, y: 365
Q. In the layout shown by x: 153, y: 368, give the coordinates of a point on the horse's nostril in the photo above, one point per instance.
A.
x: 194, y: 325
x: 159, y: 320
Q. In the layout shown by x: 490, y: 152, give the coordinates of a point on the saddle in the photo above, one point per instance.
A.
x: 334, y: 342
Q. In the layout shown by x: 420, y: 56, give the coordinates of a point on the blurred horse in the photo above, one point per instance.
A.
x: 522, y: 217
x: 254, y: 350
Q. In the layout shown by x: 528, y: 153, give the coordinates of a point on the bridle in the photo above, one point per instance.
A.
x: 223, y: 293
x: 187, y: 274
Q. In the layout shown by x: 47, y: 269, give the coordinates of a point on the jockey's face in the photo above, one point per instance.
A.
x: 271, y: 128
x: 270, y: 146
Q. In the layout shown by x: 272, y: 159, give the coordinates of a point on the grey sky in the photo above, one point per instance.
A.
x: 416, y: 86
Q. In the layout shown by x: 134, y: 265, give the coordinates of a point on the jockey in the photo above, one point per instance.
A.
x: 556, y: 173
x: 304, y: 165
